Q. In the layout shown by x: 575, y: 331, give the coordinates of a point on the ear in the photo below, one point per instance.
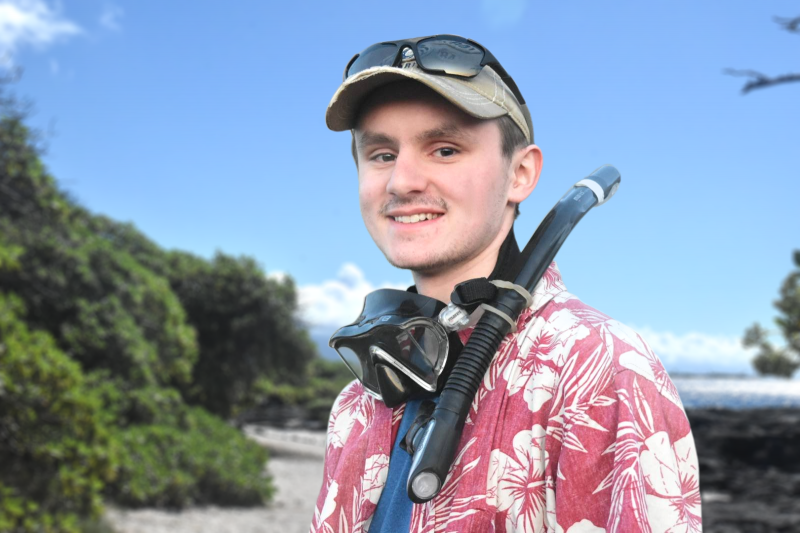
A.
x: 526, y: 165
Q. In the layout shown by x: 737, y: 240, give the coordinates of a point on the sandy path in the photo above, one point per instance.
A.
x: 297, y: 480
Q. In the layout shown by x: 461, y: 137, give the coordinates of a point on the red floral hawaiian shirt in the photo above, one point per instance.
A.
x: 576, y: 428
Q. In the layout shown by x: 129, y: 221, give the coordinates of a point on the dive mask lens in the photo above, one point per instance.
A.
x: 417, y: 349
x: 397, y: 346
x: 350, y: 358
x: 422, y: 349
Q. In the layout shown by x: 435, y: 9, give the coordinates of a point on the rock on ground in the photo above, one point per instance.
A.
x: 749, y: 469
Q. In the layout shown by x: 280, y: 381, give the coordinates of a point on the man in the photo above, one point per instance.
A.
x: 576, y: 427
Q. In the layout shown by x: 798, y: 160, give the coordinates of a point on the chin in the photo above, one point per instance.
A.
x: 429, y: 264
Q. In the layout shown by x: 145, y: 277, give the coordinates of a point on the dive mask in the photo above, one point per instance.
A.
x: 397, y: 348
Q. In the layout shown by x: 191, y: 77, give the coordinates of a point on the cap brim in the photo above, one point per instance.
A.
x: 344, y: 105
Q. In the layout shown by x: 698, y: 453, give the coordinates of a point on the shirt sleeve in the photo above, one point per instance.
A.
x: 627, y: 461
x: 340, y: 423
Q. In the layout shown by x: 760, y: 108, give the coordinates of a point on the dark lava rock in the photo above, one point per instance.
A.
x: 749, y: 469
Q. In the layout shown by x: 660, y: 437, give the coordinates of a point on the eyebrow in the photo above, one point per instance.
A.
x: 368, y: 138
x: 449, y: 130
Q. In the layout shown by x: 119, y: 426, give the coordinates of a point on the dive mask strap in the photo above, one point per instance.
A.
x: 474, y: 293
x: 470, y: 294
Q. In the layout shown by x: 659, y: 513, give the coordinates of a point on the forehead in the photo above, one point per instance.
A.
x: 404, y: 93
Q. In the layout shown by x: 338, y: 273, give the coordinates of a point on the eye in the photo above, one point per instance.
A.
x: 445, y: 152
x: 384, y: 157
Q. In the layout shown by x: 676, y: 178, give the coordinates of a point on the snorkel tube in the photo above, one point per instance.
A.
x: 436, y: 441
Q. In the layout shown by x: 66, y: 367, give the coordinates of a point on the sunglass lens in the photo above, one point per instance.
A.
x: 458, y: 58
x: 377, y: 55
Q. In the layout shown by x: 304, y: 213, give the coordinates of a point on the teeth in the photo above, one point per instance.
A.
x: 417, y: 218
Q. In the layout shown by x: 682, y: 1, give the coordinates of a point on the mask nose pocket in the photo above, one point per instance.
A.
x: 395, y: 387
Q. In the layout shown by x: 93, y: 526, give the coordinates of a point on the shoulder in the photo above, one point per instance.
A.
x: 348, y: 407
x: 572, y: 335
x: 560, y: 312
x: 565, y: 315
x: 350, y: 394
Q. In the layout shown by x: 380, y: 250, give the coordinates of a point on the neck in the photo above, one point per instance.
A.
x: 440, y: 284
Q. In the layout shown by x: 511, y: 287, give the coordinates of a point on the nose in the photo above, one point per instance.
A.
x: 408, y: 176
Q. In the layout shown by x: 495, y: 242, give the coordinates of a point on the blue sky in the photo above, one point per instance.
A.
x: 203, y: 124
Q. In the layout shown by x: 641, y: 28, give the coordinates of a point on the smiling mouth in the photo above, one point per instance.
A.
x: 413, y: 219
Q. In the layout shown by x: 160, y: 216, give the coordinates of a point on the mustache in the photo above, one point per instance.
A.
x: 413, y: 201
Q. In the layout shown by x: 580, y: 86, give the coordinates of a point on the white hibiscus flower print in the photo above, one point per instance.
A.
x: 375, y: 471
x: 517, y: 484
x: 673, y: 503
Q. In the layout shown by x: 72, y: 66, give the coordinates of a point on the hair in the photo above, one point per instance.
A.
x: 511, y: 140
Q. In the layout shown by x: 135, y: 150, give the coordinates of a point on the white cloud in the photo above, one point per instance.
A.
x: 31, y: 22
x: 334, y: 303
x: 111, y: 16
x: 503, y: 13
x: 699, y: 350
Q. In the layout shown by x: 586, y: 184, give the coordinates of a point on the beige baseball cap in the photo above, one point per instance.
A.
x: 484, y: 96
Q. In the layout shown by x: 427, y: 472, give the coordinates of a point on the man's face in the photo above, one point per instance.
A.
x: 433, y: 183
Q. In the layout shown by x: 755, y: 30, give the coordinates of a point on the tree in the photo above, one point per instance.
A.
x: 115, y: 301
x: 760, y: 80
x: 772, y: 360
x: 96, y: 350
x: 90, y: 294
x: 247, y: 329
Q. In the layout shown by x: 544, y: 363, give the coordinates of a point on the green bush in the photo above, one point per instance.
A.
x: 55, y: 449
x: 200, y: 461
x: 106, y: 339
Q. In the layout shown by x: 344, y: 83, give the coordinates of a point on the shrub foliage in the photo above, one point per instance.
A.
x: 197, y: 460
x: 56, y: 451
x: 119, y: 360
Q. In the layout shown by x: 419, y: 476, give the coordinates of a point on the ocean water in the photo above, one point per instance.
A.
x: 738, y: 393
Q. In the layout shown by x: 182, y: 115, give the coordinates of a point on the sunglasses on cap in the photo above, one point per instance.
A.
x: 450, y: 55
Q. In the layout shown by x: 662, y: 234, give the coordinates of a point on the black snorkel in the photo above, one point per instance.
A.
x: 435, y: 443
